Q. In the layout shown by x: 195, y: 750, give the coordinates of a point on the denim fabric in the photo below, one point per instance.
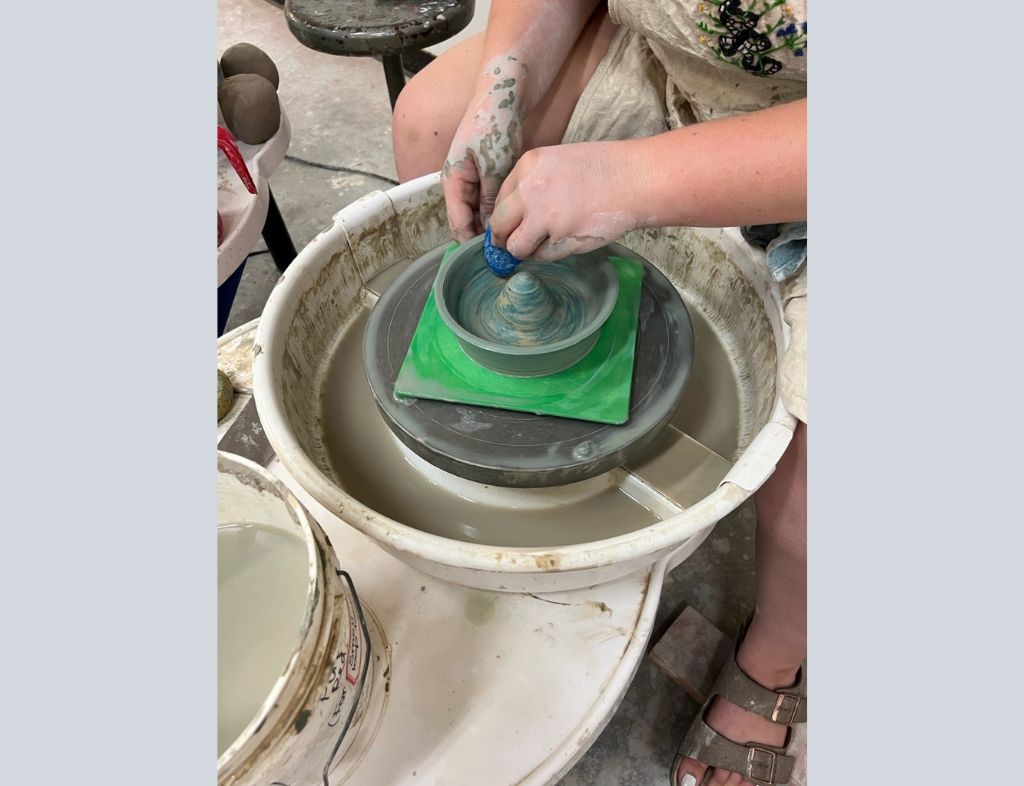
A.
x: 787, y: 253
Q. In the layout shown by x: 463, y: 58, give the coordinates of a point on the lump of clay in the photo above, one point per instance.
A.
x: 250, y: 107
x: 225, y: 395
x: 526, y: 310
x: 531, y: 312
x: 498, y: 259
x: 249, y: 59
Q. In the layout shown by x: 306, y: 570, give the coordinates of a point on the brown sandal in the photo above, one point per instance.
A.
x: 764, y: 765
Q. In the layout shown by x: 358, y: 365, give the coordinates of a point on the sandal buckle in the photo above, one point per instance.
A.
x: 785, y: 709
x: 764, y: 762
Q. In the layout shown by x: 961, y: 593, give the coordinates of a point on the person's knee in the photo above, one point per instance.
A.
x: 416, y: 131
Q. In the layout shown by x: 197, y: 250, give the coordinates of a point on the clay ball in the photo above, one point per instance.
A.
x: 250, y: 107
x: 225, y: 395
x: 249, y: 59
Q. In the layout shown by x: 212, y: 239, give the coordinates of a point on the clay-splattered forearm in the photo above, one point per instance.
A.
x: 539, y: 34
x: 485, y: 148
x: 525, y: 45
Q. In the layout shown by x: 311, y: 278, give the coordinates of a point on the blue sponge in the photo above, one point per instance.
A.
x: 499, y: 260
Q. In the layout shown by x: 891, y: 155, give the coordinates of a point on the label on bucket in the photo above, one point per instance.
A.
x: 346, y: 667
x: 355, y: 641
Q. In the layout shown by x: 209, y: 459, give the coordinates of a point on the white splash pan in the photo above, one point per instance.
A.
x: 339, y: 273
x: 484, y: 688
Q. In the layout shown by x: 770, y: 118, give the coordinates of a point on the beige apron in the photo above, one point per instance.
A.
x: 673, y: 63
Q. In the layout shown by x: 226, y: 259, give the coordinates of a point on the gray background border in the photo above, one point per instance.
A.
x: 108, y: 317
x: 107, y: 567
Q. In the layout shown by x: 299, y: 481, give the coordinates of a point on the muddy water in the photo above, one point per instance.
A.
x: 710, y: 409
x: 262, y: 581
x: 369, y: 463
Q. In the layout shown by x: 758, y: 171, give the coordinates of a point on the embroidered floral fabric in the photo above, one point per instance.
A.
x: 717, y: 57
x: 748, y: 34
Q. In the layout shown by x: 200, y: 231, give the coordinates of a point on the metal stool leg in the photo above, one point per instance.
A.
x: 279, y: 242
x: 395, y: 76
x: 226, y: 298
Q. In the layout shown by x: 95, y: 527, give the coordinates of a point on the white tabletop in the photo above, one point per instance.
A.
x: 474, y: 688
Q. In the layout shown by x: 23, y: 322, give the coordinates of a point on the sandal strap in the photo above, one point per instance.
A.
x: 763, y: 765
x: 786, y: 706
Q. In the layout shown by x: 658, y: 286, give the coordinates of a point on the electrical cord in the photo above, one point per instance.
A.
x: 335, y: 168
x: 330, y: 168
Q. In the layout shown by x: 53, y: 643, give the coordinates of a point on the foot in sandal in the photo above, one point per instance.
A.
x: 748, y: 747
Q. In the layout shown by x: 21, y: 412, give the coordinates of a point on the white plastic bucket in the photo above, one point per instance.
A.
x: 309, y: 717
x: 321, y: 293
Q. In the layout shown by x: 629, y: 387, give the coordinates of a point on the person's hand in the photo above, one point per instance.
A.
x: 570, y: 199
x: 485, y: 148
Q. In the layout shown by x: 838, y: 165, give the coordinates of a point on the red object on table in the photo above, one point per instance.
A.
x: 226, y: 143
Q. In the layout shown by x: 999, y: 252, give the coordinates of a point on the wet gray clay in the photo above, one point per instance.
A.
x: 250, y: 107
x: 249, y: 59
x: 543, y: 319
x: 525, y: 311
x: 225, y: 395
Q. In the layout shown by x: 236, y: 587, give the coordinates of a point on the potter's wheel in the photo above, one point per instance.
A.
x: 505, y: 448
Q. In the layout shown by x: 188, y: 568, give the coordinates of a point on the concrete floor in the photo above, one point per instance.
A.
x: 340, y: 116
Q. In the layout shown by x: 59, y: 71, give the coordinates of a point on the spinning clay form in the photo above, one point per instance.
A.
x: 525, y: 311
x: 499, y: 260
x: 249, y: 59
x: 250, y: 107
x: 544, y: 318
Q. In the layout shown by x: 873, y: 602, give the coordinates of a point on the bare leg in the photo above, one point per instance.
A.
x: 431, y: 106
x: 776, y: 642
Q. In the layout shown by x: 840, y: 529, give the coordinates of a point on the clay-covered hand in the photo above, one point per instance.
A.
x: 569, y: 199
x: 485, y: 148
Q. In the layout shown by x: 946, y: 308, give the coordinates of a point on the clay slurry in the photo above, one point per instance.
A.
x: 369, y: 463
x: 262, y: 582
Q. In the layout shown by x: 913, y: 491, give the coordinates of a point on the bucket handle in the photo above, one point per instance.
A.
x: 366, y: 671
